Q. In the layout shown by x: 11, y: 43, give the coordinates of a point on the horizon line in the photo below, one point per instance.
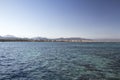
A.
x: 52, y: 37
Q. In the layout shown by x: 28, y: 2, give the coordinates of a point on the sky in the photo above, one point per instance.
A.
x: 60, y: 18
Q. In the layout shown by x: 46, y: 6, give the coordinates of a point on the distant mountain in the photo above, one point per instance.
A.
x: 43, y: 39
x: 39, y: 38
x: 0, y: 36
x: 8, y: 37
x: 71, y: 38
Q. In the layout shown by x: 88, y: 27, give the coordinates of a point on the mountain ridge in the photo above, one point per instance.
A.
x: 61, y: 39
x: 43, y: 39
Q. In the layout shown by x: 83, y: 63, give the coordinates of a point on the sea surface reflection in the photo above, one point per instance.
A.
x: 59, y: 61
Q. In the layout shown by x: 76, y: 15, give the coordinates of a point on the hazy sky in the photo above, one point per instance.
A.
x: 60, y: 18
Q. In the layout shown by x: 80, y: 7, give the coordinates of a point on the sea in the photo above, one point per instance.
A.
x: 59, y: 61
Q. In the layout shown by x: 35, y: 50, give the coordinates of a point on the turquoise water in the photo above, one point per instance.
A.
x: 59, y: 61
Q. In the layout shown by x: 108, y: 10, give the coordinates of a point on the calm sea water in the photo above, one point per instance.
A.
x: 59, y: 61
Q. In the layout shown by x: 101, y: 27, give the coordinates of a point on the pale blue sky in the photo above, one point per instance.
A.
x: 60, y: 18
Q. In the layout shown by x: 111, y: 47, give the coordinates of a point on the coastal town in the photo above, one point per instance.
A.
x: 10, y: 38
x: 40, y: 39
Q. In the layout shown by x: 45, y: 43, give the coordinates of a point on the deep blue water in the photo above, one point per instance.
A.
x: 59, y: 61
